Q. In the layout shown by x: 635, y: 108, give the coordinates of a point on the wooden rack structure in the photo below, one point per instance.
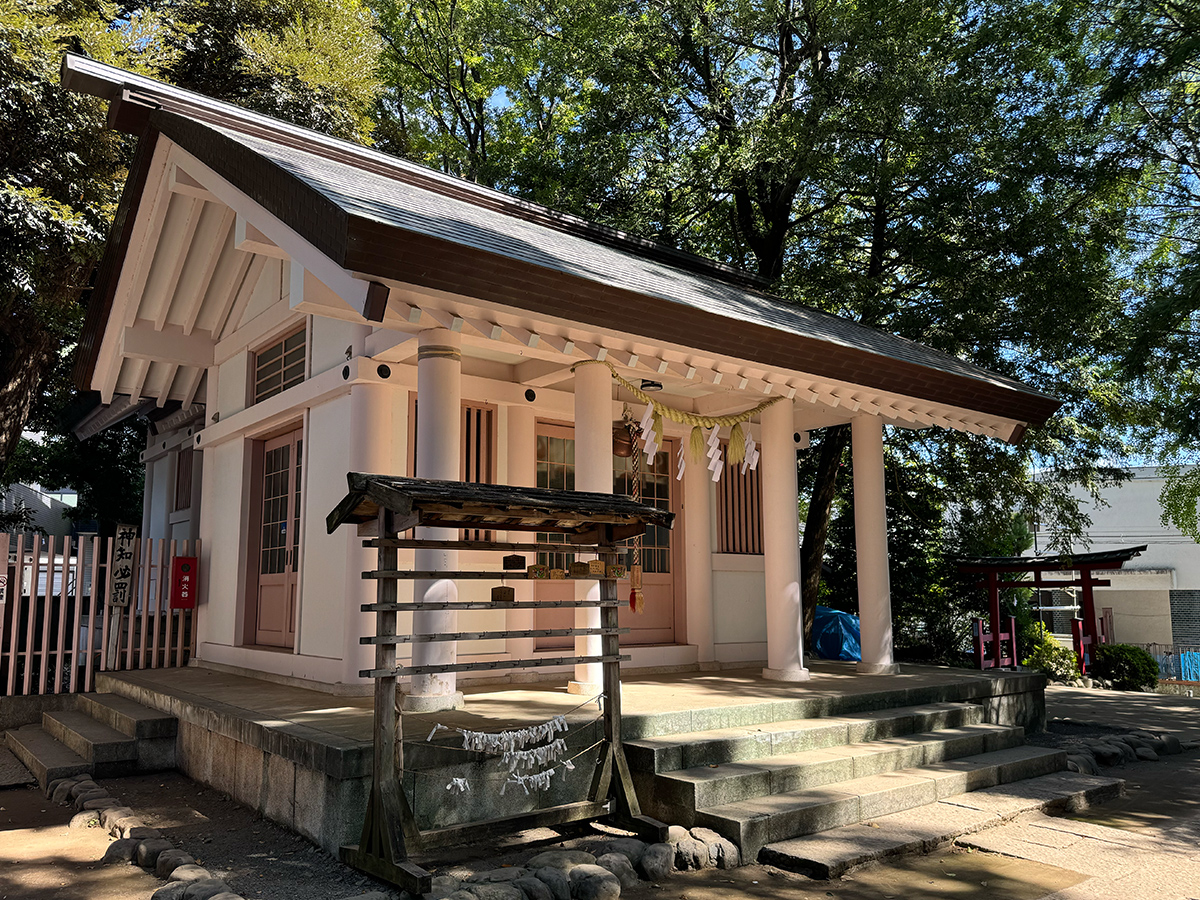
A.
x: 385, y: 506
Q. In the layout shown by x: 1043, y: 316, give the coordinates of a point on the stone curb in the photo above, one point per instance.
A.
x: 136, y: 843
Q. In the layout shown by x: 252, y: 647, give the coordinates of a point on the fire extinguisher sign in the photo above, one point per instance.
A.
x: 183, y: 582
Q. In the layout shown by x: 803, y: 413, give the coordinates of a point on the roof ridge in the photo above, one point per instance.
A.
x: 116, y: 85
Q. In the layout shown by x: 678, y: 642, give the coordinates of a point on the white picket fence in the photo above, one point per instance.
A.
x: 57, y: 627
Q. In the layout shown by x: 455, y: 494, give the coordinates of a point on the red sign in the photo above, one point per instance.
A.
x: 183, y: 582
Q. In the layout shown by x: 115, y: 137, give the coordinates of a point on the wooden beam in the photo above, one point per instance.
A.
x: 250, y: 240
x: 169, y: 346
x: 192, y: 309
x: 165, y: 392
x: 181, y: 257
x: 242, y: 296
x: 490, y: 666
x: 487, y: 635
x: 437, y: 605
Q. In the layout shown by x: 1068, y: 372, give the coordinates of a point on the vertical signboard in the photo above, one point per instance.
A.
x: 123, y: 577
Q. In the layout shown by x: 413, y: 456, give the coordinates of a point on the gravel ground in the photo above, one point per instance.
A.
x: 256, y: 858
x: 1068, y: 735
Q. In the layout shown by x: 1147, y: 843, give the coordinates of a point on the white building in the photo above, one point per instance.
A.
x: 298, y: 307
x: 1154, y: 598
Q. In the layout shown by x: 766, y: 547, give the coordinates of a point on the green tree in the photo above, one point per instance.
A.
x: 1155, y: 61
x: 60, y: 178
x: 928, y: 167
x: 311, y: 62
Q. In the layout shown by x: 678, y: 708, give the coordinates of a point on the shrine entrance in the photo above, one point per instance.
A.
x: 656, y: 624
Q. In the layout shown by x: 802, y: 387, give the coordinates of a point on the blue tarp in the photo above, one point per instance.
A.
x: 836, y: 635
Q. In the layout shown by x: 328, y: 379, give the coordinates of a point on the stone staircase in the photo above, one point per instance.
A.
x: 106, y: 735
x: 766, y: 782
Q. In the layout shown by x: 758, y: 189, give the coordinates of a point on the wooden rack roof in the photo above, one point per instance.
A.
x: 580, y: 515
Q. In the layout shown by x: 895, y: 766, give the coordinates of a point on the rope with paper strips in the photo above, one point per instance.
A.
x: 741, y: 444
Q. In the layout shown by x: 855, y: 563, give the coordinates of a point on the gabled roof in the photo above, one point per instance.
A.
x: 1061, y: 562
x: 388, y: 219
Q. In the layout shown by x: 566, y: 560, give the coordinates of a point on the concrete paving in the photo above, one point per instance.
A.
x: 1127, y: 709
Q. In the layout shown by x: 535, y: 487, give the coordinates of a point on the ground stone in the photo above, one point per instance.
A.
x: 141, y: 832
x: 676, y: 833
x: 97, y: 794
x: 170, y: 860
x: 1107, y: 754
x: 1147, y: 754
x: 82, y: 787
x: 556, y: 880
x: 461, y: 895
x: 658, y: 862
x: 1082, y: 762
x: 533, y: 888
x: 205, y: 889
x: 87, y: 819
x: 631, y: 848
x: 691, y: 854
x: 109, y: 816
x: 561, y: 859
x: 590, y: 882
x: 370, y: 895
x: 497, y: 876
x: 230, y: 895
x: 172, y: 891
x: 121, y: 825
x: 722, y: 853
x: 443, y: 886
x: 494, y: 891
x: 101, y: 803
x: 120, y: 851
x: 62, y: 791
x: 1173, y: 744
x: 1190, y: 746
x: 148, y: 851
x: 189, y: 872
x: 619, y: 865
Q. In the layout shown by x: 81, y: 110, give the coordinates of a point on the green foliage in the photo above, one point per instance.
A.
x: 1129, y: 668
x: 311, y: 62
x: 60, y: 177
x: 1047, y: 656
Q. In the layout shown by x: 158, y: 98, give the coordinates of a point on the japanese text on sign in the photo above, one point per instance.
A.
x: 124, y: 572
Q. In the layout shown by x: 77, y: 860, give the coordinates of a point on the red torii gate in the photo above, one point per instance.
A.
x: 990, y: 568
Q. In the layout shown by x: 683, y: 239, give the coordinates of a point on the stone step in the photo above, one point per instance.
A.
x: 128, y: 716
x: 676, y: 796
x: 884, y: 692
x: 669, y: 753
x: 922, y: 829
x: 752, y: 824
x: 43, y: 756
x: 109, y: 752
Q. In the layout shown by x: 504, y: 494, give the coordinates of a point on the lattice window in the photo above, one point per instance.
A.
x: 279, y: 366
x: 555, y: 470
x: 183, y: 478
x: 478, y: 454
x: 656, y: 491
x: 739, y: 510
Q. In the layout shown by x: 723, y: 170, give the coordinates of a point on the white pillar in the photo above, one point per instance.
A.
x: 697, y: 559
x: 371, y: 451
x: 439, y: 416
x: 871, y: 546
x: 593, y: 472
x: 522, y: 472
x: 781, y: 546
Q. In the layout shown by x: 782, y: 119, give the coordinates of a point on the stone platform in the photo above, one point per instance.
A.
x: 302, y: 757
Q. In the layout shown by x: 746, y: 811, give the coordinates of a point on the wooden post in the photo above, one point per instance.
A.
x: 388, y: 827
x: 1089, y: 609
x: 994, y: 615
x: 627, y: 809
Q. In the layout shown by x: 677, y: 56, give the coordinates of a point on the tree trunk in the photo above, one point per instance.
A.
x: 27, y: 353
x: 816, y: 524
